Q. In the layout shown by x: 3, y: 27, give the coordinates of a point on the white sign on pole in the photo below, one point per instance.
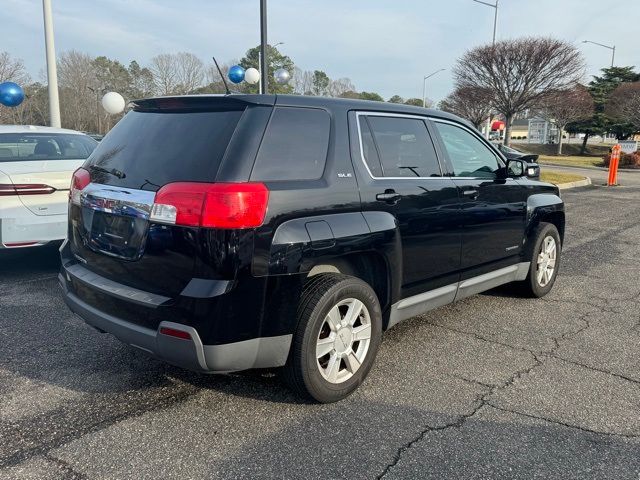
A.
x: 628, y: 146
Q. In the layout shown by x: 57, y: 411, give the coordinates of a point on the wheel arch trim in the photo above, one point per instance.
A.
x: 544, y: 207
x: 298, y: 245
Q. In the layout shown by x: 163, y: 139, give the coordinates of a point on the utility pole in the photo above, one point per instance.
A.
x: 264, y: 73
x: 52, y: 73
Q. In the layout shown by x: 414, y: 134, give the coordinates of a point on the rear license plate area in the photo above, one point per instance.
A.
x: 116, y: 235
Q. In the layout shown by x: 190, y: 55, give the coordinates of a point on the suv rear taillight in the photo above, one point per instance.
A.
x: 219, y: 205
x: 25, y: 189
x: 81, y: 178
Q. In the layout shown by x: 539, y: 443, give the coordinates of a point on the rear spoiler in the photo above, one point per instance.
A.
x: 201, y: 102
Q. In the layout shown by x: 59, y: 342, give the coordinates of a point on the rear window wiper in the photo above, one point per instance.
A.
x: 114, y: 171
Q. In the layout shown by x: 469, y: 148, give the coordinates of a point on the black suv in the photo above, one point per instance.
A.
x: 224, y: 233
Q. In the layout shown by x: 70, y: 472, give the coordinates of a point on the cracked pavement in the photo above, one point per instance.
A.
x: 495, y: 386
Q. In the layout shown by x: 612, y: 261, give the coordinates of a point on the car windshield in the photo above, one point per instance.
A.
x: 18, y: 147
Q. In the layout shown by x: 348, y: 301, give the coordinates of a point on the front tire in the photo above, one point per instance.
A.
x: 337, y: 337
x: 545, y: 261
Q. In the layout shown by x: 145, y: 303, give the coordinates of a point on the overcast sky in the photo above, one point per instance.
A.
x: 385, y: 46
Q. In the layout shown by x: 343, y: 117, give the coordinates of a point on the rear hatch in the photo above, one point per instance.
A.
x: 160, y: 142
x: 40, y: 165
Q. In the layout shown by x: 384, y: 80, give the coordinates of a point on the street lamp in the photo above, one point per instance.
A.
x: 424, y: 86
x: 495, y: 15
x: 612, y: 48
x: 97, y: 91
x: 495, y: 26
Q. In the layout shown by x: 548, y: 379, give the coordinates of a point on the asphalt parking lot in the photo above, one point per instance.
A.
x: 495, y: 386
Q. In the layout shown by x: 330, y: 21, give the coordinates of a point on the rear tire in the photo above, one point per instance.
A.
x: 337, y: 337
x: 545, y: 262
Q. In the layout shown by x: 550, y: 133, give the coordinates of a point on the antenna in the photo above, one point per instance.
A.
x: 226, y: 87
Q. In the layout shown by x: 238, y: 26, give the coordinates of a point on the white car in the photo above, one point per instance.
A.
x: 36, y: 165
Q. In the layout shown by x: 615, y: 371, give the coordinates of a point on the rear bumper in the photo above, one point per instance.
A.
x: 18, y: 225
x: 192, y: 354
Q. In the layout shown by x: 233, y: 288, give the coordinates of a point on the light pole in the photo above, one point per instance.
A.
x: 612, y: 48
x: 495, y: 27
x: 424, y: 86
x: 260, y: 64
x: 97, y: 92
x: 52, y: 74
x: 495, y: 15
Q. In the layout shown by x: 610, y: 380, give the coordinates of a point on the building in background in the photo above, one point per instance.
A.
x: 541, y: 131
x: 520, y: 129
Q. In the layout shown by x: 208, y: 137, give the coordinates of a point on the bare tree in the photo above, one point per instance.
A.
x: 471, y: 103
x: 33, y: 110
x: 302, y: 81
x: 565, y: 106
x: 303, y: 84
x: 211, y: 74
x: 214, y: 82
x: 624, y: 103
x: 79, y: 91
x: 12, y: 70
x: 519, y: 73
x: 339, y: 86
x: 165, y: 73
x: 190, y: 72
x: 177, y: 73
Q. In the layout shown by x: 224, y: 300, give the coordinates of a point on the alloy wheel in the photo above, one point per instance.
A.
x: 343, y: 340
x: 546, y: 261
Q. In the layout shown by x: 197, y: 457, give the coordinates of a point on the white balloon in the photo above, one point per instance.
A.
x: 251, y: 75
x: 113, y: 102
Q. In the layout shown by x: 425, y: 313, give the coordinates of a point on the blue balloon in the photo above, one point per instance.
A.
x: 236, y: 74
x: 11, y: 94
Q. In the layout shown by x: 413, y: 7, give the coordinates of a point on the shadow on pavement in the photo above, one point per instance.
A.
x: 24, y: 263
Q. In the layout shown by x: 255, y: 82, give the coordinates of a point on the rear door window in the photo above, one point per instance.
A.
x: 19, y: 147
x: 404, y: 147
x: 146, y: 150
x: 369, y: 149
x: 295, y: 145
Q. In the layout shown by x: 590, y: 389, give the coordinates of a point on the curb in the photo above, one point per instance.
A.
x: 593, y: 167
x: 576, y: 184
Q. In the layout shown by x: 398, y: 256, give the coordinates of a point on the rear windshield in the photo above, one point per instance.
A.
x: 18, y: 147
x: 147, y: 150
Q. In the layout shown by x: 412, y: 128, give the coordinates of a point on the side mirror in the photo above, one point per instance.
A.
x: 516, y: 168
x: 520, y: 168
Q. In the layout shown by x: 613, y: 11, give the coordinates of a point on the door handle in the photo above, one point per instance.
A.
x: 389, y: 196
x: 471, y: 193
